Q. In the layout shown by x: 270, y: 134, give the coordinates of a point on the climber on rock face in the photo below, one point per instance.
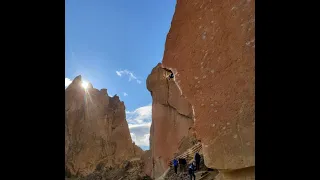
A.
x: 171, y: 76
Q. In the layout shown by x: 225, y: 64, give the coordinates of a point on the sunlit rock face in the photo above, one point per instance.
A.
x: 171, y: 120
x: 96, y: 130
x: 210, y: 48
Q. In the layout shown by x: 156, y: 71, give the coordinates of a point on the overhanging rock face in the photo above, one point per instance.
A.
x: 210, y: 48
x: 96, y: 130
x: 172, y: 120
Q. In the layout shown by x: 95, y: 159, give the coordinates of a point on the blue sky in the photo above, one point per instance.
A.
x: 114, y: 45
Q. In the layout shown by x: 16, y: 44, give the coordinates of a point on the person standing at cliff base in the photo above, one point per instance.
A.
x: 197, y: 158
x: 191, y: 171
x: 175, y: 165
x: 182, y: 164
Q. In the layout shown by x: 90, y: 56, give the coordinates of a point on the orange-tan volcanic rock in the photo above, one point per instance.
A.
x: 171, y: 119
x: 211, y: 48
x: 96, y: 130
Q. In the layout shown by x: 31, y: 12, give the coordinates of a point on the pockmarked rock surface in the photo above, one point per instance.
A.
x: 210, y: 48
x: 171, y: 119
x: 96, y: 130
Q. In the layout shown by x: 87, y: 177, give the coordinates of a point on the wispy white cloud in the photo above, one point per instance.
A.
x: 67, y: 82
x: 125, y: 94
x: 142, y: 125
x: 139, y: 115
x: 140, y: 141
x: 139, y: 122
x: 129, y: 74
x: 118, y: 73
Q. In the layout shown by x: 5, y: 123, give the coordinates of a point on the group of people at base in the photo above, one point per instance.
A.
x: 194, y: 166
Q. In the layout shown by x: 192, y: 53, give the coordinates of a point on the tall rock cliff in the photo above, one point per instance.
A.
x: 96, y: 130
x: 171, y: 120
x: 211, y: 48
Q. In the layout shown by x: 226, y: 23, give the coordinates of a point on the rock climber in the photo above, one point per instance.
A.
x: 175, y: 165
x: 191, y: 171
x: 197, y: 158
x: 171, y: 76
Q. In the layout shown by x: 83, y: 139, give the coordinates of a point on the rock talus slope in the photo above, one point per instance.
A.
x: 210, y: 48
x: 96, y: 131
x: 147, y: 160
x: 171, y: 120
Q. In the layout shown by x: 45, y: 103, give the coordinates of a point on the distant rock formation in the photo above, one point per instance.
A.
x: 210, y: 48
x: 171, y: 120
x: 96, y: 130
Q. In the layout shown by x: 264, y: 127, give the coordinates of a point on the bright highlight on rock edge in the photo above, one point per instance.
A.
x: 84, y: 84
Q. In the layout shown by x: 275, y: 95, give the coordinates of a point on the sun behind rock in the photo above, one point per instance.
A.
x: 84, y: 84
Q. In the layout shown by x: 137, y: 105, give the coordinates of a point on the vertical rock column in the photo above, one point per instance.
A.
x: 171, y: 119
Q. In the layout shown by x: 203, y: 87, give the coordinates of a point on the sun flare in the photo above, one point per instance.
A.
x: 84, y: 85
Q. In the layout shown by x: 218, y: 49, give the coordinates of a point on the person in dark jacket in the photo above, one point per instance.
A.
x: 197, y: 158
x: 182, y: 164
x: 191, y: 171
x: 175, y: 165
